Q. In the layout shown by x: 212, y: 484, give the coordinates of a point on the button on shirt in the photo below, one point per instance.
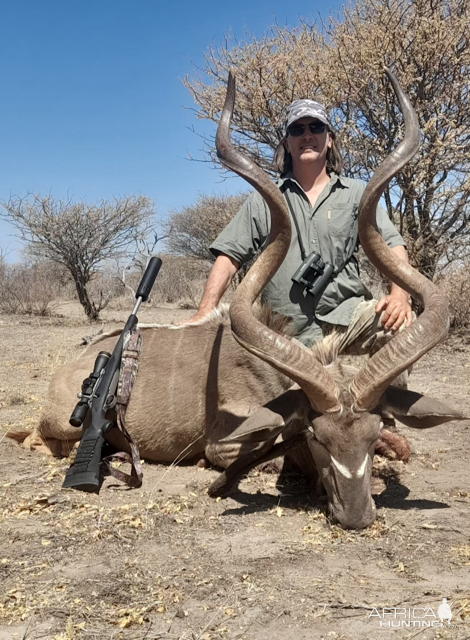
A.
x: 329, y: 228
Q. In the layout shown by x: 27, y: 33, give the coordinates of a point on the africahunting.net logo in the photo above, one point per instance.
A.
x: 414, y: 617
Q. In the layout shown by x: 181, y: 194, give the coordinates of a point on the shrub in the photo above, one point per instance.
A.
x: 29, y: 289
x: 181, y: 280
x: 456, y: 286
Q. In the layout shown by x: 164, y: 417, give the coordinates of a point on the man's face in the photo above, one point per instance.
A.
x: 308, y: 147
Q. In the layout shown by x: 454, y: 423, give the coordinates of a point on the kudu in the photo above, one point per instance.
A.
x: 343, y: 407
x: 240, y: 401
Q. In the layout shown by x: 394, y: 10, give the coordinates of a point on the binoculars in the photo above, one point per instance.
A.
x: 313, y: 273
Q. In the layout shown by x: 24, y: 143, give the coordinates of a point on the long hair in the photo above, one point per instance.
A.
x: 334, y: 160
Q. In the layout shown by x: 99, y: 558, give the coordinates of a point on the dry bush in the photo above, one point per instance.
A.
x: 181, y: 281
x: 105, y: 286
x: 192, y: 229
x: 30, y: 289
x: 456, y: 286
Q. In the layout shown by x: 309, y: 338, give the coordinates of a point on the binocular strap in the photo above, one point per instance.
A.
x: 129, y: 367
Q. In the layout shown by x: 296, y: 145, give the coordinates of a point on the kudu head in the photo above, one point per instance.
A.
x: 339, y: 411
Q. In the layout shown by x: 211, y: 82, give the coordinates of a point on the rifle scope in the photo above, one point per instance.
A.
x: 86, y: 395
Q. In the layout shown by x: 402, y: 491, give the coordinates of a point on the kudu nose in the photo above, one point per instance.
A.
x: 354, y: 518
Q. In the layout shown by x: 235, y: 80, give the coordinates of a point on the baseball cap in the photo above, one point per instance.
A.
x: 306, y: 108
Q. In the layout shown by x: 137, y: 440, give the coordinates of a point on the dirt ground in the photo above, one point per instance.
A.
x: 166, y: 561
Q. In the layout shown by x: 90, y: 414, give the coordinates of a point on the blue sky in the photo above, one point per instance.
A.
x: 92, y: 100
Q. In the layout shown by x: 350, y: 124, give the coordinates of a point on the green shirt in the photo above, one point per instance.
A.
x: 329, y: 228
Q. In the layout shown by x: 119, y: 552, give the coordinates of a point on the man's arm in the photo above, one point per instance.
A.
x: 396, y: 306
x: 218, y: 282
x: 244, y: 235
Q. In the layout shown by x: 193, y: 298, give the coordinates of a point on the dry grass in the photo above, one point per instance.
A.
x: 166, y: 561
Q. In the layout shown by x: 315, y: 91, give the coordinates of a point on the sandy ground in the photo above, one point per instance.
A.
x: 166, y: 561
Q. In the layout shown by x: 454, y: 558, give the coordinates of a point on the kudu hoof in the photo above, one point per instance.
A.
x: 219, y: 487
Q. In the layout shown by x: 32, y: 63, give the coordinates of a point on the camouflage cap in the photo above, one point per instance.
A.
x: 306, y: 108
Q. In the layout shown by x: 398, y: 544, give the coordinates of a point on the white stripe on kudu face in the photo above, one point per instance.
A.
x: 362, y: 468
x: 341, y: 468
x: 346, y: 472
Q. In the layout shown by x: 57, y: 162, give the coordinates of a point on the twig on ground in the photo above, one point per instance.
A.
x: 214, y: 617
x: 25, y: 632
x: 181, y: 456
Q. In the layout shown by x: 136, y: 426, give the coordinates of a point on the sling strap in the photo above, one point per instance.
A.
x: 129, y: 367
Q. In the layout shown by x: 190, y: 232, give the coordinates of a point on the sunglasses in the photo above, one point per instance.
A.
x: 296, y: 130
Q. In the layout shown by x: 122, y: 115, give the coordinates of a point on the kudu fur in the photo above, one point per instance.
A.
x: 240, y: 401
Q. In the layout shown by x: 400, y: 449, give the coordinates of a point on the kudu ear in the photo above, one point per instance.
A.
x: 267, y: 422
x: 417, y: 411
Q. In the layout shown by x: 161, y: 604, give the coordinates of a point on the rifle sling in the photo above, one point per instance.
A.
x: 129, y: 367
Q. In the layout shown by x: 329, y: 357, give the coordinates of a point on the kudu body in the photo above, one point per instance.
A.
x: 239, y: 401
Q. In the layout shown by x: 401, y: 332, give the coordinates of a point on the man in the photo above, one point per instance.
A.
x: 324, y: 206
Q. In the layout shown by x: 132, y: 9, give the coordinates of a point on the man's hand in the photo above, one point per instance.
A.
x: 197, y: 317
x: 396, y: 310
x: 396, y: 306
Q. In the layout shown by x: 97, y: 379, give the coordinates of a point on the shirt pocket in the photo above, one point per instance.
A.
x: 342, y: 219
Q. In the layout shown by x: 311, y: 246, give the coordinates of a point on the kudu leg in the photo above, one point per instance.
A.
x: 232, y: 474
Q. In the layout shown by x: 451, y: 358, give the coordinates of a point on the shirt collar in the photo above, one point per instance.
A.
x: 334, y: 179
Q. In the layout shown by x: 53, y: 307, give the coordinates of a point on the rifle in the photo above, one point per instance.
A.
x: 98, y: 395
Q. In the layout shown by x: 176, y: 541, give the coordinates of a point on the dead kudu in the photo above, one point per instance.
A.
x: 252, y: 393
